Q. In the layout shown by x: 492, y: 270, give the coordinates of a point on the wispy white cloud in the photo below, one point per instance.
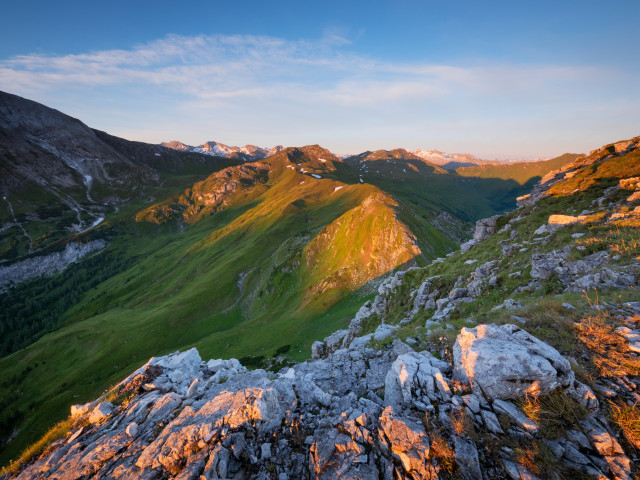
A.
x: 231, y: 77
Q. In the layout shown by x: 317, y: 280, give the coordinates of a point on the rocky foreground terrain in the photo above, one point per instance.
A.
x: 358, y: 413
x: 515, y: 358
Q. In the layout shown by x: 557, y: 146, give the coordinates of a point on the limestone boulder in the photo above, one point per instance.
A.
x: 102, y: 411
x: 485, y: 228
x: 504, y: 361
x: 336, y: 455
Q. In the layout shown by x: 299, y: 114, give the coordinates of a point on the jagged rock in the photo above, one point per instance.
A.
x: 330, y: 344
x: 215, y: 365
x: 193, y: 388
x: 516, y: 415
x: 102, y: 411
x: 467, y: 459
x: 180, y: 368
x: 583, y: 394
x: 507, y: 362
x: 336, y: 455
x: 407, y: 442
x: 393, y: 282
x: 359, y: 343
x: 324, y: 418
x: 472, y: 401
x: 544, y: 229
x: 479, y: 277
x: 563, y: 220
x: 384, y: 331
x: 132, y: 429
x: 609, y: 448
x: 424, y: 296
x: 577, y: 275
x: 543, y: 265
x: 458, y: 293
x: 517, y: 471
x: 79, y: 410
x: 606, y: 278
x: 318, y: 350
x: 413, y: 372
x: 491, y: 422
x: 468, y: 245
x: 485, y: 228
x: 632, y: 183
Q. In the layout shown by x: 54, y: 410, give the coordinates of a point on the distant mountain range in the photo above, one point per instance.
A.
x: 246, y: 153
x: 448, y: 161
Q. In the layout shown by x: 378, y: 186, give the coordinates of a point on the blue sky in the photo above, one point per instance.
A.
x: 497, y: 79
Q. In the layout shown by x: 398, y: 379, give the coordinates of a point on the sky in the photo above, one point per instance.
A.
x: 498, y: 79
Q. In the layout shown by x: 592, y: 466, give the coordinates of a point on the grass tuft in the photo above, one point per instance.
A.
x: 628, y: 419
x: 555, y: 412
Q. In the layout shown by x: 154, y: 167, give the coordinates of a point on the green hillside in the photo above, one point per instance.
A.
x: 522, y: 172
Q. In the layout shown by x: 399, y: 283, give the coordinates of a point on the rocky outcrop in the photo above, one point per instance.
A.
x: 485, y: 228
x: 344, y: 338
x: 502, y: 362
x: 578, y: 275
x: 185, y: 418
x: 425, y: 298
x: 48, y: 264
x: 216, y: 192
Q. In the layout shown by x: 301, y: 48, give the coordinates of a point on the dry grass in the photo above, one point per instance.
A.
x: 612, y: 359
x: 622, y: 240
x: 628, y: 419
x: 442, y: 453
x: 462, y: 423
x: 610, y: 351
x: 442, y: 339
x: 459, y: 388
x: 58, y: 431
x: 555, y: 412
x: 549, y: 321
x: 527, y: 458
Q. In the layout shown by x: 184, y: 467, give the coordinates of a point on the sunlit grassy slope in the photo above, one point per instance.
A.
x: 521, y: 172
x: 251, y: 271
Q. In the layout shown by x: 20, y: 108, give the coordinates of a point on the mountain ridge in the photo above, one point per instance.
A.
x: 246, y: 153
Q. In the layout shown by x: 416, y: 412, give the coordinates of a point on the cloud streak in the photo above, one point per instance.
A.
x: 244, y: 75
